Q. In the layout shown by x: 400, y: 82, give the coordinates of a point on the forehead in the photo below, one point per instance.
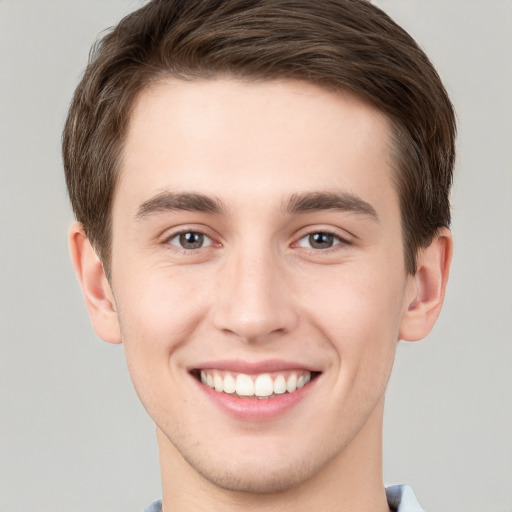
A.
x: 253, y: 140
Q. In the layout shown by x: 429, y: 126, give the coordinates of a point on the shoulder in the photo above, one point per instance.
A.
x: 401, y: 498
x: 154, y: 506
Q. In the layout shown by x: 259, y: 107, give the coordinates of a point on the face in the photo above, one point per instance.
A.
x: 258, y: 274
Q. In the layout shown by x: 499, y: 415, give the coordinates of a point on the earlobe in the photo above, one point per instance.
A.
x: 427, y: 288
x: 95, y: 286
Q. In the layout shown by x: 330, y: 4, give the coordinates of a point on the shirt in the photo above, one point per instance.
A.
x: 401, y: 498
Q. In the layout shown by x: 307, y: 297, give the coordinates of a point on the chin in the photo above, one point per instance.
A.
x: 265, y: 472
x: 262, y: 480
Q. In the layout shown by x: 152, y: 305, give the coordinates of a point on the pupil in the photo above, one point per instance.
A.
x: 321, y: 240
x: 191, y: 240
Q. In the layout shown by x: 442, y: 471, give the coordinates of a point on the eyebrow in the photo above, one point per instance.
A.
x: 298, y: 203
x: 173, y: 201
x: 341, y: 201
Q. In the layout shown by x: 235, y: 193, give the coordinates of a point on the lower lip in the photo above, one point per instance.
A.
x: 255, y: 409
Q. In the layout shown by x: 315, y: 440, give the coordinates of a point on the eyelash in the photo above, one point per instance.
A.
x: 337, y: 241
x: 178, y: 235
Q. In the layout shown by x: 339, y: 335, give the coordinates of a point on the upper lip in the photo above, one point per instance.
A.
x: 252, y: 367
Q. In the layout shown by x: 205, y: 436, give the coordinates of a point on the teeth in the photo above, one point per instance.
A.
x: 279, y: 385
x: 229, y: 384
x: 261, y: 386
x: 218, y: 382
x: 291, y: 383
x: 244, y: 385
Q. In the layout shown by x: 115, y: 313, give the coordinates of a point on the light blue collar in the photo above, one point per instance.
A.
x: 401, y: 498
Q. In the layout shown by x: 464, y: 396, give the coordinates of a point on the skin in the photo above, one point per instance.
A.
x: 260, y: 289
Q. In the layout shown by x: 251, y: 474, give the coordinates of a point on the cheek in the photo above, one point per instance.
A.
x: 161, y: 306
x: 358, y: 312
x: 157, y: 315
x: 157, y: 318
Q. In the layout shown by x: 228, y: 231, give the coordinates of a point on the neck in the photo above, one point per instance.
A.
x: 350, y: 482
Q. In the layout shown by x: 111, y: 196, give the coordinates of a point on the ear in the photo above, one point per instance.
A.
x: 95, y: 286
x: 426, y: 289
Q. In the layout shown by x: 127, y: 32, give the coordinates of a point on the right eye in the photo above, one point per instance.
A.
x: 190, y: 240
x: 319, y: 240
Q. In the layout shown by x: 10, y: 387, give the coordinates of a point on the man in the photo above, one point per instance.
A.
x: 261, y: 192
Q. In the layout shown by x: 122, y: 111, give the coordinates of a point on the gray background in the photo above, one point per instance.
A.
x: 73, y: 436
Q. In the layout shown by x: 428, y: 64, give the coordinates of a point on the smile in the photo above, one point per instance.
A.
x: 265, y: 385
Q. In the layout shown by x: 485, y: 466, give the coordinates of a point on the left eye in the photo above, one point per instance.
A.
x: 319, y: 240
x: 190, y: 240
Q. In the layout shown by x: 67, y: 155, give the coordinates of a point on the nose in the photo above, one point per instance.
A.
x: 254, y: 299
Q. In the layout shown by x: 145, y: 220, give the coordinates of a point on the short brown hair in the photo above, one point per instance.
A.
x: 338, y: 44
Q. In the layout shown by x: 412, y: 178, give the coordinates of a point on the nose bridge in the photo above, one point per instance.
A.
x: 253, y: 298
